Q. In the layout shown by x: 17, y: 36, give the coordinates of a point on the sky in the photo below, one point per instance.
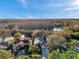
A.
x: 39, y: 9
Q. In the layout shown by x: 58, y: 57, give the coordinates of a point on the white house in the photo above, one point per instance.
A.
x: 8, y: 38
x: 57, y: 29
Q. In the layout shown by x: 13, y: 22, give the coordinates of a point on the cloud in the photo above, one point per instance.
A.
x: 18, y: 17
x: 75, y: 3
x: 26, y: 17
x: 50, y: 5
x: 24, y: 3
x: 61, y: 8
x: 73, y: 6
x: 32, y: 17
x: 44, y: 4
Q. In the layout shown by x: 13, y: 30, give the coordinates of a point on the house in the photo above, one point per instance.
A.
x: 4, y: 45
x: 8, y: 39
x: 57, y: 29
x: 76, y: 49
x: 1, y: 39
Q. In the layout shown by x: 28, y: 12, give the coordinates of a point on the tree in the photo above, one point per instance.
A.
x: 17, y: 34
x: 74, y: 28
x: 4, y: 35
x: 34, y: 51
x: 75, y: 35
x: 54, y: 41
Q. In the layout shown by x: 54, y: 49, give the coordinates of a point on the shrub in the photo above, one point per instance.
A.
x: 66, y: 55
x: 5, y: 54
x: 75, y: 35
x: 23, y: 57
x: 75, y: 28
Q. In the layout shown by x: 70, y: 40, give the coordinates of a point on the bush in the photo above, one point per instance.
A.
x: 23, y: 57
x: 5, y: 54
x: 75, y: 35
x: 75, y: 29
x: 54, y: 55
x: 66, y: 55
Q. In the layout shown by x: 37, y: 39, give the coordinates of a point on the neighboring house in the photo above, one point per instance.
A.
x: 22, y: 37
x: 4, y: 45
x: 57, y: 29
x: 1, y: 39
x: 76, y: 49
x: 36, y: 40
x: 8, y: 39
x: 3, y: 25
